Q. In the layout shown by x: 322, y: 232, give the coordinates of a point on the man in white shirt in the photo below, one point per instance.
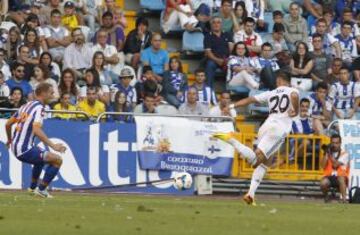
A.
x: 78, y: 55
x: 251, y: 39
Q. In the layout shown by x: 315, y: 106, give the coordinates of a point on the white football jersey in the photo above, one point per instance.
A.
x: 279, y: 101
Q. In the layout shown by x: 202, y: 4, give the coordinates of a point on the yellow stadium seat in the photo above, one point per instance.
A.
x: 118, y: 3
x: 185, y: 68
x: 131, y: 21
x: 174, y: 54
x: 191, y: 79
x: 163, y: 45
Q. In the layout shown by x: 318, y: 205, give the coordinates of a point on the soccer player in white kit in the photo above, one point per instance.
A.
x: 283, y: 106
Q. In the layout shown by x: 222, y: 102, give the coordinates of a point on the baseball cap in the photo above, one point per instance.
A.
x: 69, y: 4
x: 126, y: 72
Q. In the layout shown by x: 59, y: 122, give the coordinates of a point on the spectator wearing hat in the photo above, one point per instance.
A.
x: 78, y: 54
x: 57, y: 36
x: 70, y: 19
x: 124, y: 86
x: 276, y: 39
x: 137, y: 40
x: 46, y: 10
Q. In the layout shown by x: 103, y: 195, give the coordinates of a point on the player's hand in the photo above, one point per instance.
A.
x: 59, y: 148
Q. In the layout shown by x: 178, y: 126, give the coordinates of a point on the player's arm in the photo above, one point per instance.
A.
x: 8, y: 127
x: 244, y: 102
x: 294, y: 97
x: 38, y: 132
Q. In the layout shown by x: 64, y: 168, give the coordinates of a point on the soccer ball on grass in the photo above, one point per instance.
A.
x: 182, y: 181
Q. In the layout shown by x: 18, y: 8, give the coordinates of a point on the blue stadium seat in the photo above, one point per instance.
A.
x: 193, y: 41
x: 152, y: 5
x: 304, y: 94
x: 258, y: 108
x: 268, y: 18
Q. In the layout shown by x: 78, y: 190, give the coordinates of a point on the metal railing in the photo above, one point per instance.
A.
x: 298, y: 159
x: 81, y: 113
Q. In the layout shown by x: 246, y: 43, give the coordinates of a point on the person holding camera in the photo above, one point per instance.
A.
x: 336, y: 168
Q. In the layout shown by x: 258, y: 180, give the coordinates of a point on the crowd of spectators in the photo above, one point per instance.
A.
x: 80, y: 48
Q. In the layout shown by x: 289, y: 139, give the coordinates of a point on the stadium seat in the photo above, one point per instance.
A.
x: 268, y: 18
x: 238, y: 90
x: 131, y: 21
x: 193, y: 41
x: 152, y: 5
x: 257, y: 108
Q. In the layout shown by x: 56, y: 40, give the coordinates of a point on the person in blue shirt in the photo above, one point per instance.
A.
x: 156, y: 57
x: 17, y: 80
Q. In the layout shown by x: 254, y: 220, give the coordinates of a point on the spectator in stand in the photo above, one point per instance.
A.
x: 331, y: 44
x: 174, y: 83
x: 295, y: 27
x: 111, y: 58
x: 67, y: 84
x: 266, y: 66
x: 223, y: 108
x: 301, y: 65
x: 334, y: 73
x: 240, y: 69
x: 320, y: 108
x: 251, y: 39
x: 147, y: 84
x: 179, y: 10
x: 344, y: 95
x: 98, y: 64
x: 206, y: 94
x: 24, y: 59
x: 241, y: 14
x: 46, y: 59
x: 57, y: 36
x: 192, y: 106
x: 90, y: 8
x: 302, y: 124
x: 121, y: 105
x: 333, y: 26
x: 4, y: 89
x: 78, y: 54
x: 348, y: 15
x: 137, y: 40
x: 256, y: 10
x: 70, y: 19
x: 91, y: 105
x: 66, y: 105
x: 47, y: 10
x: 110, y: 6
x: 13, y: 43
x: 18, y: 80
x: 4, y: 67
x: 276, y: 39
x: 156, y: 57
x: 217, y: 45
x: 32, y: 42
x: 15, y: 101
x: 336, y: 164
x: 124, y: 86
x: 35, y: 9
x: 115, y: 34
x: 42, y: 74
x: 148, y: 106
x: 347, y: 43
x: 227, y: 16
x: 322, y: 61
x: 92, y: 79
x: 278, y: 16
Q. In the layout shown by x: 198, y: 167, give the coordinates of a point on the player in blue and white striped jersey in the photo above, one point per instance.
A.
x: 345, y: 96
x: 320, y: 108
x: 28, y: 120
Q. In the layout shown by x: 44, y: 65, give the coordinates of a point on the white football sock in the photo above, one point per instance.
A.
x: 245, y: 151
x: 256, y: 179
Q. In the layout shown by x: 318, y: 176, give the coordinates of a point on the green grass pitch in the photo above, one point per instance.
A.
x: 100, y: 214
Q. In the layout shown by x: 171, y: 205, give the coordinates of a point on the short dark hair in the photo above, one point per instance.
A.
x: 335, y: 136
x: 146, y: 68
x: 283, y: 75
x: 343, y: 67
x: 226, y: 1
x: 199, y: 70
x: 107, y: 14
x: 42, y: 88
x: 316, y: 35
x: 17, y: 89
x: 321, y: 85
x: 346, y: 23
x: 15, y: 65
x: 141, y: 20
x: 304, y: 100
x: 277, y: 13
x: 266, y: 44
x: 278, y: 27
x: 347, y: 10
x: 249, y: 20
x: 321, y: 20
x: 55, y: 12
x: 149, y: 94
x: 91, y: 88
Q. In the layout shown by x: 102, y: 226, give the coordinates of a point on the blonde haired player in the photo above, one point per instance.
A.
x: 283, y: 106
